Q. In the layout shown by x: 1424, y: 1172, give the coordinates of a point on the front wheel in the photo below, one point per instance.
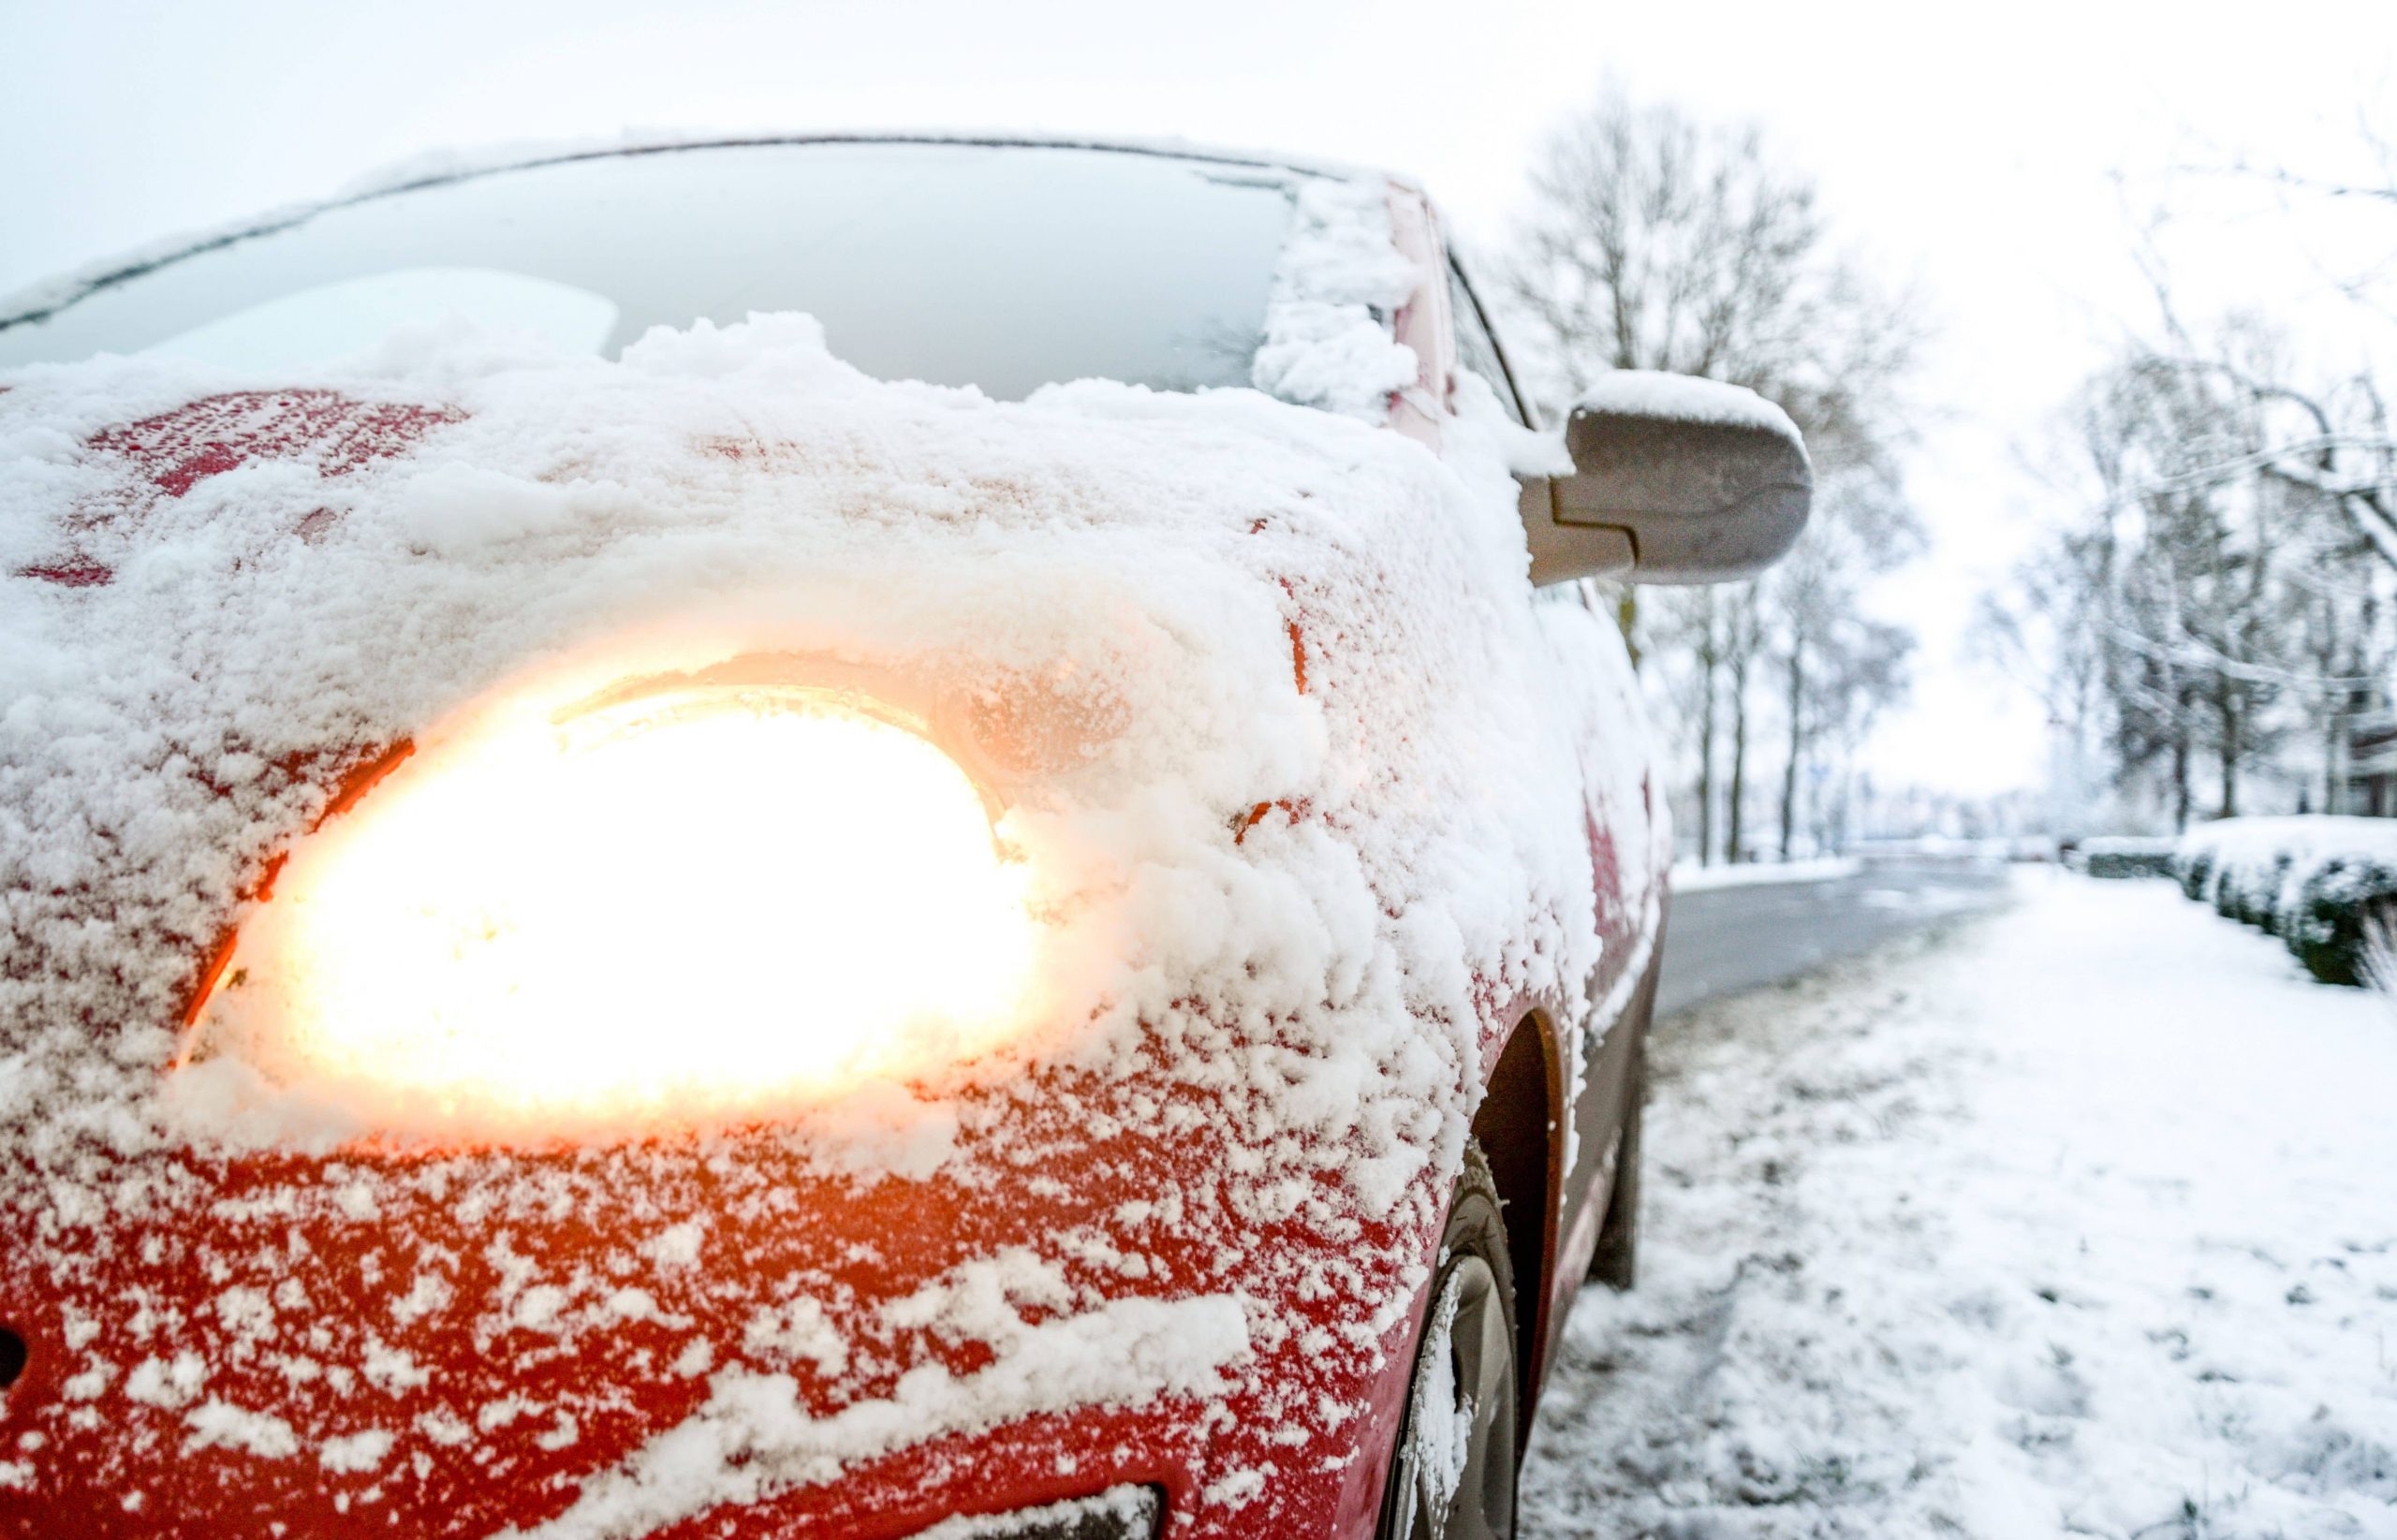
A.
x: 1452, y: 1475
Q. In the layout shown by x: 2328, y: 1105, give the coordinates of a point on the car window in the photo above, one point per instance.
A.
x: 1476, y: 349
x: 1005, y: 267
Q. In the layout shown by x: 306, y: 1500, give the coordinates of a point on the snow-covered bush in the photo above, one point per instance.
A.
x: 2126, y: 856
x: 2249, y: 891
x: 2317, y: 883
x: 2337, y: 908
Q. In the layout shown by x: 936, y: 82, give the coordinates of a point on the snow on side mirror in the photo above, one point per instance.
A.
x: 1675, y: 481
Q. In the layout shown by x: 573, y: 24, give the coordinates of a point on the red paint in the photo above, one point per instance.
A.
x: 174, y: 451
x: 876, y: 1243
x: 177, y: 451
x: 72, y: 572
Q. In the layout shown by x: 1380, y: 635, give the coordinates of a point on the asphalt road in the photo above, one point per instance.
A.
x: 1721, y: 940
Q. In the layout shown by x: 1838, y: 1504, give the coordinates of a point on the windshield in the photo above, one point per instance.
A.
x: 997, y: 266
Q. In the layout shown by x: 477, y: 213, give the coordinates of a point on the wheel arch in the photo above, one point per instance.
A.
x: 1519, y: 1128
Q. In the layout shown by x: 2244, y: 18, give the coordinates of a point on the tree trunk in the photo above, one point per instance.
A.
x: 2330, y: 764
x: 2181, y: 763
x: 1797, y: 745
x: 1739, y: 754
x: 2226, y: 709
x: 1706, y: 669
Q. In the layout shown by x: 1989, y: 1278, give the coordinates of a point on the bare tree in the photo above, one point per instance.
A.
x: 1741, y: 641
x: 1701, y: 638
x: 2203, y: 611
x: 1657, y: 242
x: 1839, y: 669
x: 2330, y: 437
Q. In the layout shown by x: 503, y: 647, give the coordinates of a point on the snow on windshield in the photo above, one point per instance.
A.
x: 1287, y: 864
x: 1001, y: 267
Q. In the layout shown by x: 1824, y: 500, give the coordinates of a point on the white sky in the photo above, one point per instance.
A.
x: 1968, y: 149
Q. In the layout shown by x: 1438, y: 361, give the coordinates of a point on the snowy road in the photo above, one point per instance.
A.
x: 1724, y: 939
x: 2082, y: 1220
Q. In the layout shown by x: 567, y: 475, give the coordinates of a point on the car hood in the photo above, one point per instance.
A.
x: 1276, y: 737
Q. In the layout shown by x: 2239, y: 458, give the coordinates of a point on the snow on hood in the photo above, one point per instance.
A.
x: 1323, y: 839
x: 726, y: 493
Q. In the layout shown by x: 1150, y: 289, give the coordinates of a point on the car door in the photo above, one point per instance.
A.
x: 1624, y: 827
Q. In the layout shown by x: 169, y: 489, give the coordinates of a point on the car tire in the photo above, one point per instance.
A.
x: 1615, y: 1262
x: 1453, y: 1473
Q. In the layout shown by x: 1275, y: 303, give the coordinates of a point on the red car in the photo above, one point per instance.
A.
x: 1023, y: 909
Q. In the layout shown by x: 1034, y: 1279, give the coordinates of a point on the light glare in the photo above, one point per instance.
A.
x: 725, y: 903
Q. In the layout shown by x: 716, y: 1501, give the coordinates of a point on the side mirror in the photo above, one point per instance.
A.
x: 1675, y: 481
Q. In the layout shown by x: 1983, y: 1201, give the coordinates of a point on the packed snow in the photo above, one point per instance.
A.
x: 1326, y: 344
x: 1440, y: 1432
x: 2080, y: 1223
x: 1685, y: 398
x: 1281, y: 860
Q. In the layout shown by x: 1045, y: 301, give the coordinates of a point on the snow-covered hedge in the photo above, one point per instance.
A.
x: 2315, y: 882
x: 2124, y: 856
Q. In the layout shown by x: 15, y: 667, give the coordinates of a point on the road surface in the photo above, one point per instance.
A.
x: 1721, y: 940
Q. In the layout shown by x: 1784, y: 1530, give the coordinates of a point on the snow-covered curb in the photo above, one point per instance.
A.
x: 1690, y: 877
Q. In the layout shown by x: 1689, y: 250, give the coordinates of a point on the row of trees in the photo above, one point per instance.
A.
x: 1660, y: 242
x: 2223, y: 609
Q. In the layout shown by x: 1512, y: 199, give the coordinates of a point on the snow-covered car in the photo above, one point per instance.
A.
x: 809, y: 838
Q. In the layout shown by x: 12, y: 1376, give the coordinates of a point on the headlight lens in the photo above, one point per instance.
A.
x: 693, y: 906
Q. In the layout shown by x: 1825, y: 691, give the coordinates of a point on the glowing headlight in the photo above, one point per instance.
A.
x: 690, y: 907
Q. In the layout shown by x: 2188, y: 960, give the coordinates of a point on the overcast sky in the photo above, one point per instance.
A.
x: 1976, y: 152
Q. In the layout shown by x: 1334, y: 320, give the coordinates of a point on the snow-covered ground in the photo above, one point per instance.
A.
x: 2082, y: 1220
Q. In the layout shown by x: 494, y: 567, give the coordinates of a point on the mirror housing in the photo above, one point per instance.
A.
x: 1675, y: 481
